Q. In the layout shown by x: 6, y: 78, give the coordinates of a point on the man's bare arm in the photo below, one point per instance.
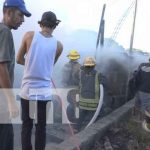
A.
x: 5, y: 85
x: 59, y: 50
x: 21, y: 53
x: 26, y: 42
x: 4, y: 77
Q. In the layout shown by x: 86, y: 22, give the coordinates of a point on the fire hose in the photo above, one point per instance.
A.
x: 98, y: 107
x: 60, y: 100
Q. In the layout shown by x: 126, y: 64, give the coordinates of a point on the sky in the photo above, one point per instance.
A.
x: 85, y: 14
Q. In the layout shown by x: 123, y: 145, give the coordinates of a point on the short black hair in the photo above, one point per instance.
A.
x: 49, y: 19
x: 49, y: 25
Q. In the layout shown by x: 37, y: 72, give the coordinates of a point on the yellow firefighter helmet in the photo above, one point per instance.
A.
x: 73, y: 55
x: 89, y: 61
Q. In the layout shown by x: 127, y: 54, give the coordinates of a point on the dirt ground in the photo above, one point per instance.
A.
x: 125, y: 136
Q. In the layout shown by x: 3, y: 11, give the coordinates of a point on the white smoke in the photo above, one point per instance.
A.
x: 84, y: 41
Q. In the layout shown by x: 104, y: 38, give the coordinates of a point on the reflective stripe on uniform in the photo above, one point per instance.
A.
x: 88, y: 106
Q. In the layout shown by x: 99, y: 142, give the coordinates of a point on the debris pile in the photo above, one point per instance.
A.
x: 125, y: 136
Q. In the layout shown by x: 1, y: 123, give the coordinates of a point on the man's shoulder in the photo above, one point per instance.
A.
x: 142, y: 66
x: 67, y: 64
x: 76, y: 65
x: 97, y: 72
x: 59, y: 45
x: 29, y: 34
x: 4, y: 29
x: 100, y: 75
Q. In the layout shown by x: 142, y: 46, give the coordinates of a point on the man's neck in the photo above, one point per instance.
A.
x: 47, y: 32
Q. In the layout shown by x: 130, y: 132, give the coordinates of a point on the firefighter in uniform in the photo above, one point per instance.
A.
x: 89, y: 92
x: 70, y: 79
x: 71, y: 70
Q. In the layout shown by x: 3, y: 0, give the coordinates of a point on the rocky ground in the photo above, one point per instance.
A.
x: 125, y: 136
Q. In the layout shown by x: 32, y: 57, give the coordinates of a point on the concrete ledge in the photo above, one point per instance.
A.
x: 86, y: 138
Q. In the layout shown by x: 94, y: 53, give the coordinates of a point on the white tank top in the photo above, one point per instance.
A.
x: 39, y: 62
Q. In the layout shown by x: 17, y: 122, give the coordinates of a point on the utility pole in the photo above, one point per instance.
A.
x: 101, y: 26
x: 100, y: 36
x: 133, y: 28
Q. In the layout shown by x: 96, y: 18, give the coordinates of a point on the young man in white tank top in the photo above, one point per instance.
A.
x: 41, y: 50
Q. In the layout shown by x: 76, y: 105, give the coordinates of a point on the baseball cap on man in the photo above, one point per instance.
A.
x: 49, y: 18
x: 20, y: 4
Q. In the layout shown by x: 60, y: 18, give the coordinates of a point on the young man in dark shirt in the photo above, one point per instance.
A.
x: 13, y: 17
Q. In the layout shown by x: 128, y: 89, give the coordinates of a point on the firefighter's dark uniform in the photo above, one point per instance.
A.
x: 89, y: 93
x: 70, y: 75
x: 71, y: 80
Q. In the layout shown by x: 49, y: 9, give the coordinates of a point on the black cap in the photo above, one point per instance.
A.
x: 49, y: 18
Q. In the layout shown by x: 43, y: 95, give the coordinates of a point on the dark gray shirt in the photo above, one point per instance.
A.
x: 7, y: 51
x: 7, y: 54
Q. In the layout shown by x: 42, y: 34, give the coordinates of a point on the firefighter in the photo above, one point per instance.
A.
x: 89, y: 92
x: 71, y: 70
x: 71, y: 80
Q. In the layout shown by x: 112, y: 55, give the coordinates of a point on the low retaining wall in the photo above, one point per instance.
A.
x: 86, y: 138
